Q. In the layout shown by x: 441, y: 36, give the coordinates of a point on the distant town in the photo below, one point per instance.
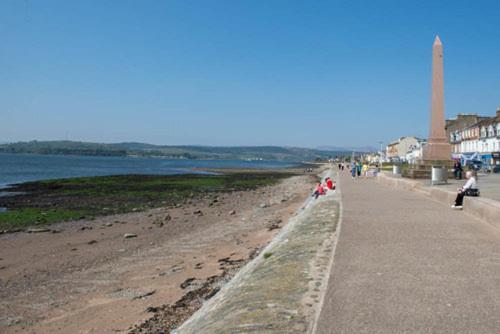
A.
x: 474, y: 139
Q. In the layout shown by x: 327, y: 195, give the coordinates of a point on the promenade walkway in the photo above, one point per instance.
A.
x: 407, y: 264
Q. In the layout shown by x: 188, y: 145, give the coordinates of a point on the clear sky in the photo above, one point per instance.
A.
x: 256, y: 72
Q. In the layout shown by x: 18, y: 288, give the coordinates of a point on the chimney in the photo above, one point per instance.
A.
x: 498, y: 112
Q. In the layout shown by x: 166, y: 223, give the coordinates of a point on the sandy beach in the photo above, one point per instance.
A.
x: 138, y: 272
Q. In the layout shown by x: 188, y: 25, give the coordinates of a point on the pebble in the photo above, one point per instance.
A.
x: 38, y: 230
x: 144, y: 295
x: 232, y: 212
x: 152, y: 309
x: 130, y: 235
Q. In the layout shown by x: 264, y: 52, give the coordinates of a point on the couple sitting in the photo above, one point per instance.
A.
x: 322, y: 188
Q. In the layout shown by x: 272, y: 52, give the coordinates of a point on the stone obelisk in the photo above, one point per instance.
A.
x: 437, y: 147
x: 437, y: 152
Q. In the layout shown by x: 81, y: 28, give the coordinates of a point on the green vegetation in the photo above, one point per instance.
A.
x: 20, y: 218
x: 176, y: 152
x: 53, y: 201
x: 267, y: 255
x: 388, y: 166
x: 62, y: 147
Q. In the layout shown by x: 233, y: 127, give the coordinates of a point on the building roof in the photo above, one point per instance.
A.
x: 397, y: 141
x: 468, y: 121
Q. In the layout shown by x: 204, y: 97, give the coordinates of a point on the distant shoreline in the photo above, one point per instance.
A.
x: 195, y: 152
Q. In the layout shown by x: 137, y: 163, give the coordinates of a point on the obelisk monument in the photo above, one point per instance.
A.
x: 437, y: 152
x: 437, y: 148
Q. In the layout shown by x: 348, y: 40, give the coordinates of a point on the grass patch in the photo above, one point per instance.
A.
x: 20, y: 218
x: 267, y: 255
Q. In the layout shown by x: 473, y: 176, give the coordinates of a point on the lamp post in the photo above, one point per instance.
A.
x: 381, y: 152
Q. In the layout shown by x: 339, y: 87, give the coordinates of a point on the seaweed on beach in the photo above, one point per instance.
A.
x: 50, y: 201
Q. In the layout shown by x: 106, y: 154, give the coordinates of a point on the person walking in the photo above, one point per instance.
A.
x: 353, y: 169
x: 358, y: 168
x: 469, y: 189
x: 364, y: 170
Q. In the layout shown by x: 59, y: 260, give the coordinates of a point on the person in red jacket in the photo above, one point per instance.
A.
x: 329, y: 183
x: 319, y: 191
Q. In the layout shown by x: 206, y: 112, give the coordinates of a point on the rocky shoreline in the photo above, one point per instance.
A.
x: 168, y: 317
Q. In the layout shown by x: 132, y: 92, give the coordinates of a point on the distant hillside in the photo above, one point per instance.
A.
x: 177, y: 152
x: 366, y: 149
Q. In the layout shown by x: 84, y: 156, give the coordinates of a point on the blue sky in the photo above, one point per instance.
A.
x: 295, y: 73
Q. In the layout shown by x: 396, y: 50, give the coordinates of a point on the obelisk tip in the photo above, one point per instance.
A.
x: 437, y: 41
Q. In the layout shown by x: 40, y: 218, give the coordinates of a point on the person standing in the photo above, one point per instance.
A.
x: 457, y: 170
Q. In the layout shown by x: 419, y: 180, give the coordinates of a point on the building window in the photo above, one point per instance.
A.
x: 491, y: 131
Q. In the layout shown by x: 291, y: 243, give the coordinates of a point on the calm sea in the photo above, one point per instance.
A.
x: 17, y: 168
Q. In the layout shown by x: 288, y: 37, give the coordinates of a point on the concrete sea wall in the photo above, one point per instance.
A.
x: 280, y: 291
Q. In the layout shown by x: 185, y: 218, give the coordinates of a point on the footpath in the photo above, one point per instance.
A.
x: 281, y: 290
x: 406, y: 263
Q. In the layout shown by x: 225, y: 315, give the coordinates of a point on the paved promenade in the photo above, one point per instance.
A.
x: 407, y: 264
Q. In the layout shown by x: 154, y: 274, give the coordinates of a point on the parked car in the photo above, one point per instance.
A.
x: 474, y: 165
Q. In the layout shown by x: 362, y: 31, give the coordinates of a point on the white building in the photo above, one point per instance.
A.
x: 415, y: 152
x: 480, y: 139
x: 397, y: 150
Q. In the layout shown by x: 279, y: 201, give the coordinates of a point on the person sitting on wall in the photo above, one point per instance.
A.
x: 469, y: 189
x: 329, y: 183
x: 319, y: 190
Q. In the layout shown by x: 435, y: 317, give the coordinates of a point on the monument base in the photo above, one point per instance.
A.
x: 437, y: 150
x: 422, y: 169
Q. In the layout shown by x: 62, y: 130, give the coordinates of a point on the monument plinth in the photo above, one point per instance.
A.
x: 438, y: 150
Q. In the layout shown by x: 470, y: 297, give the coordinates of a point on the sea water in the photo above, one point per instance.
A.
x: 18, y: 168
